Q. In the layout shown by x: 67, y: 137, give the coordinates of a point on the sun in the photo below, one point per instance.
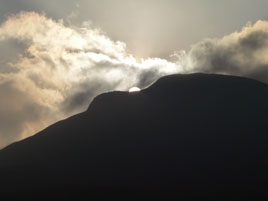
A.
x: 134, y: 89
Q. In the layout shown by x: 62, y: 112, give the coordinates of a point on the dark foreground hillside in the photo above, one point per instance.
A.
x: 187, y: 137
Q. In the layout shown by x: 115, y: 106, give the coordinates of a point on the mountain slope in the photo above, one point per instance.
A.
x: 196, y: 137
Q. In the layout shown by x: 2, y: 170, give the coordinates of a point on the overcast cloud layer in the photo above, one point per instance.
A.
x: 53, y: 70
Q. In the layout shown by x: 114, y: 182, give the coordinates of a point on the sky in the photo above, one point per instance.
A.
x: 57, y: 55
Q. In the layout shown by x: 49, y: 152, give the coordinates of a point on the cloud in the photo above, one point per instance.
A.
x: 59, y: 69
x: 20, y: 115
x: 55, y: 70
x: 243, y: 53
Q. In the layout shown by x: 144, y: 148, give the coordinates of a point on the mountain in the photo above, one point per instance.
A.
x: 186, y: 137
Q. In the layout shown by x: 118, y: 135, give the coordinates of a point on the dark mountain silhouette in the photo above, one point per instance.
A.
x: 186, y: 137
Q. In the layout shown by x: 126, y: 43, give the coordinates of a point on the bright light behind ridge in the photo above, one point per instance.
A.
x: 134, y: 89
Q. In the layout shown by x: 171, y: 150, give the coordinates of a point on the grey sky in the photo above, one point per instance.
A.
x: 151, y: 27
x: 50, y: 70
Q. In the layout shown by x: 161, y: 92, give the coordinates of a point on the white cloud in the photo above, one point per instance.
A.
x: 64, y: 67
x: 242, y: 53
x: 61, y: 68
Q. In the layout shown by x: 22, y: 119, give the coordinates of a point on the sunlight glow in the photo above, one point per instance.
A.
x: 134, y: 89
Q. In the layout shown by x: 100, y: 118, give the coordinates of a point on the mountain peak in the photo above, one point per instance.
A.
x: 193, y: 137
